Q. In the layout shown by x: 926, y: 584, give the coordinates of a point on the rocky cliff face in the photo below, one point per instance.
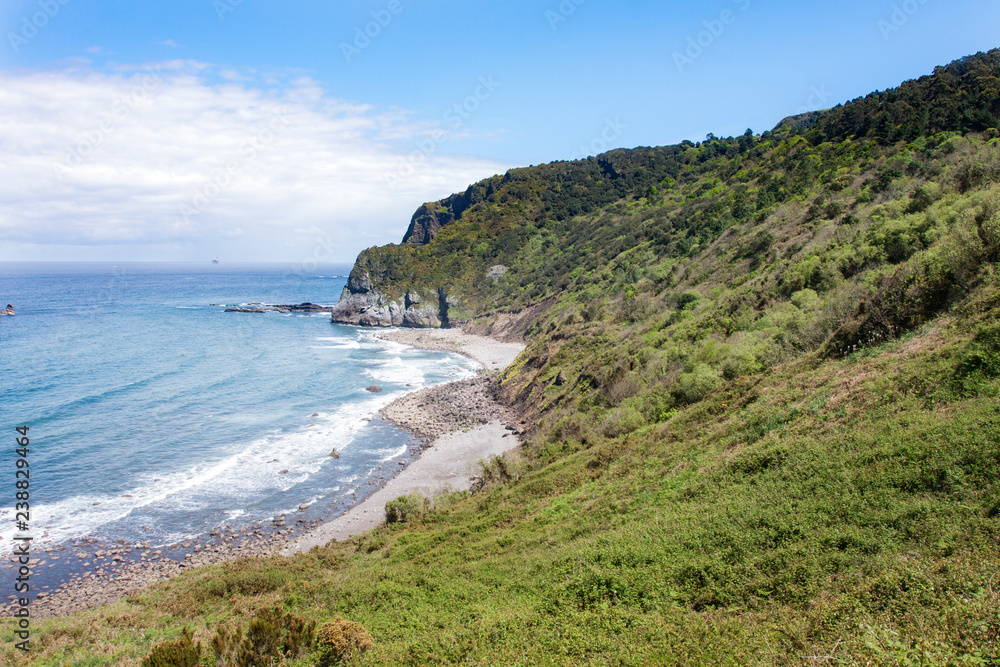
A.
x: 426, y: 223
x: 430, y: 218
x: 364, y: 305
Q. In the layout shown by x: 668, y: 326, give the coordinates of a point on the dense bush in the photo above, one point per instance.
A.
x: 495, y: 470
x: 341, y: 641
x: 622, y: 420
x: 179, y: 653
x: 695, y: 384
x: 271, y: 635
x: 406, y: 508
x: 962, y: 96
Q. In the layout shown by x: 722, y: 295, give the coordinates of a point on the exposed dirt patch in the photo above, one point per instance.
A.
x: 507, y: 326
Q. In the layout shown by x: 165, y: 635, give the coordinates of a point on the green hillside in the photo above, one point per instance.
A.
x: 763, y: 383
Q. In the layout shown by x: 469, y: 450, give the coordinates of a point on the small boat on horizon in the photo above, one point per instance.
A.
x: 215, y: 261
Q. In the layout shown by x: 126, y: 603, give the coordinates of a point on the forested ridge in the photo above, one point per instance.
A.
x: 963, y: 97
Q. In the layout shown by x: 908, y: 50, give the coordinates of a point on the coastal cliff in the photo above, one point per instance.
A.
x: 384, y: 291
x: 429, y: 219
x: 364, y: 304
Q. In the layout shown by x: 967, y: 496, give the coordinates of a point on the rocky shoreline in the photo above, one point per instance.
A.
x: 101, y: 574
x: 95, y: 573
x: 432, y: 412
x: 107, y: 573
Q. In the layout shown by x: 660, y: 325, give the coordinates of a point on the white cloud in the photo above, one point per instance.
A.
x: 181, y: 160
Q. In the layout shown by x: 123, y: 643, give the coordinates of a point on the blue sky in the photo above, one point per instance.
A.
x: 259, y: 130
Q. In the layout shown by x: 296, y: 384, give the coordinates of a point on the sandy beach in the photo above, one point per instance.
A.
x: 449, y: 464
x: 467, y: 426
x: 494, y: 355
x: 460, y: 424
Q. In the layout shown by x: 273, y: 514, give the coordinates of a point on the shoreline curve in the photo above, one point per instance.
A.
x: 449, y: 461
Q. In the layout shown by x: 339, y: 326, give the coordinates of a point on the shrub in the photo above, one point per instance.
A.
x: 622, y: 420
x: 497, y: 470
x: 411, y: 507
x: 226, y: 646
x: 898, y: 239
x: 635, y: 309
x: 923, y: 196
x: 988, y: 223
x: 688, y: 299
x: 180, y: 653
x: 341, y: 641
x: 619, y: 388
x: 833, y: 210
x: 758, y: 246
x: 743, y: 358
x: 694, y: 386
x: 272, y: 634
x: 806, y: 299
x: 994, y: 511
x: 812, y: 272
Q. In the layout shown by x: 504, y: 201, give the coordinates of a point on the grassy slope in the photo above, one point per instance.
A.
x: 766, y: 406
x: 844, y: 508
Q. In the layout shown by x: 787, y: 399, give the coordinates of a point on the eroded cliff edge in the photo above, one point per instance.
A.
x: 364, y: 304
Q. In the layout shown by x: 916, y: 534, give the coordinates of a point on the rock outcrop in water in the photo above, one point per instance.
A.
x: 280, y: 308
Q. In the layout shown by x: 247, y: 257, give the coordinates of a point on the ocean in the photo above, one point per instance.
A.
x: 154, y: 416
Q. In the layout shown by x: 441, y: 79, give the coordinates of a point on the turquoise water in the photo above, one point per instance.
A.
x: 156, y: 416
